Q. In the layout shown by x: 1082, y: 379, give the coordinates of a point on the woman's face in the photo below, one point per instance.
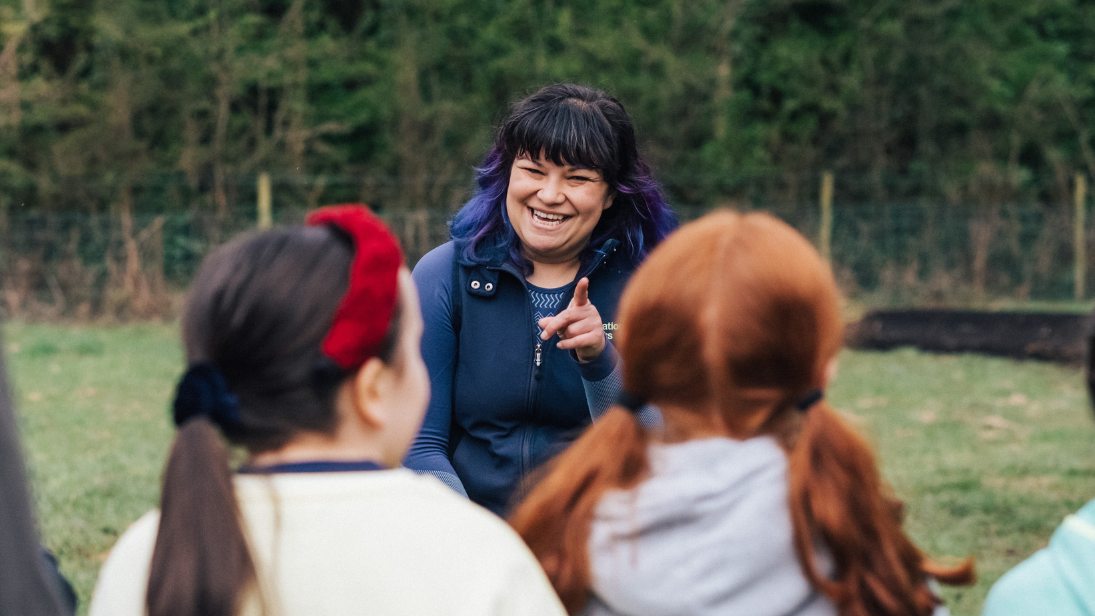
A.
x: 554, y: 208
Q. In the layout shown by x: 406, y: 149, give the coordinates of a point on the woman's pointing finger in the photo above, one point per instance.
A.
x: 581, y: 292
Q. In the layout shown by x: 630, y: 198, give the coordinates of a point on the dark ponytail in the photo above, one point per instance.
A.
x: 253, y: 326
x: 201, y: 564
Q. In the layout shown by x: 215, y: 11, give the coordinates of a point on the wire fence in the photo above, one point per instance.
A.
x: 80, y: 266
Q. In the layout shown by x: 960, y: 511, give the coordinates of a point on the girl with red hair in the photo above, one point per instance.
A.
x: 756, y: 497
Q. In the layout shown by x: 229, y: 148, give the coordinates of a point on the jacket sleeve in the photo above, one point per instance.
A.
x: 603, y: 380
x: 430, y: 452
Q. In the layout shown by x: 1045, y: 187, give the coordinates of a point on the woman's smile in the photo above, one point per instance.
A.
x: 547, y: 219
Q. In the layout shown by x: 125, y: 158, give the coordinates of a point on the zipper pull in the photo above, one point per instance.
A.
x: 538, y: 356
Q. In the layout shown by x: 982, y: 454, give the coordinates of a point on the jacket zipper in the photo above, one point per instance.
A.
x: 537, y: 363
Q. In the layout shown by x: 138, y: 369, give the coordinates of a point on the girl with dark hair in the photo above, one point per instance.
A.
x: 755, y: 497
x: 303, y: 349
x: 520, y: 306
x: 30, y: 584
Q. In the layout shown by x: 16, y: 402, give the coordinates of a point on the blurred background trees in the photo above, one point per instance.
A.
x: 163, y: 104
x: 134, y: 109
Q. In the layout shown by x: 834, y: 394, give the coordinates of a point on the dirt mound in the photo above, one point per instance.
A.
x: 1025, y: 335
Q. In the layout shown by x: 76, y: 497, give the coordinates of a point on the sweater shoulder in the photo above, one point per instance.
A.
x: 398, y: 497
x: 123, y: 580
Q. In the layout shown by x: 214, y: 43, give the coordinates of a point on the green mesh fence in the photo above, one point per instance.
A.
x: 916, y: 253
x: 78, y: 265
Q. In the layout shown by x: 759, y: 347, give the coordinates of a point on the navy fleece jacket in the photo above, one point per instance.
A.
x: 498, y: 409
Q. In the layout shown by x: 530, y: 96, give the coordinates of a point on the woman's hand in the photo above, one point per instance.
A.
x: 579, y: 326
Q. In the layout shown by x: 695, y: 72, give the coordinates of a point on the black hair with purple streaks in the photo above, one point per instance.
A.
x: 576, y: 126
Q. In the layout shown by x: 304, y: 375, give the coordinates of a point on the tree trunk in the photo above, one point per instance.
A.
x: 223, y: 94
x: 983, y: 230
x: 296, y: 84
x: 224, y: 103
x: 410, y: 129
x: 10, y: 112
x: 724, y: 89
x: 132, y: 283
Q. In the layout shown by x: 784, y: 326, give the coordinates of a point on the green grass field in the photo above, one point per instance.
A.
x: 92, y: 405
x: 989, y: 454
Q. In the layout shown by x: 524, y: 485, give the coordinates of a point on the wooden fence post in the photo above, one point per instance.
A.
x: 825, y: 230
x: 1079, y: 237
x: 265, y: 202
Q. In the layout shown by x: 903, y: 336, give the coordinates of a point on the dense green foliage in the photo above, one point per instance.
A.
x: 132, y: 132
x: 177, y: 104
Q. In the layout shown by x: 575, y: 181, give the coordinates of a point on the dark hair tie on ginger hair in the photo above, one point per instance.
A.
x: 630, y: 401
x: 811, y: 398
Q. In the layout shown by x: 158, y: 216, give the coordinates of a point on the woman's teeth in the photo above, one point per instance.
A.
x: 548, y: 219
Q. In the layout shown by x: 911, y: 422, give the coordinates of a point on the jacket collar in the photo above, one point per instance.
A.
x: 496, y: 257
x: 600, y: 255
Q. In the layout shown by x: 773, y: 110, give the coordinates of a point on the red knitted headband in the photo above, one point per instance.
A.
x: 363, y: 317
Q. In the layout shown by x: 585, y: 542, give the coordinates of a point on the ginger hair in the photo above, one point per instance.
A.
x: 737, y: 314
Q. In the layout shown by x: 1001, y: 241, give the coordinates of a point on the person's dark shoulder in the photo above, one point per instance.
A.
x: 52, y: 569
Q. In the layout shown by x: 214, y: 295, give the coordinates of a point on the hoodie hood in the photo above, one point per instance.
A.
x: 709, y: 532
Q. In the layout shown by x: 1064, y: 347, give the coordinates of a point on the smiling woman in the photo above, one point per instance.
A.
x: 516, y: 305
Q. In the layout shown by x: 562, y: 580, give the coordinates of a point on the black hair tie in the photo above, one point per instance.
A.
x: 630, y: 401
x: 326, y: 376
x: 203, y: 392
x: 811, y: 398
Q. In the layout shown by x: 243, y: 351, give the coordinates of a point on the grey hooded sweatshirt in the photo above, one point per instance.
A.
x: 708, y: 533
